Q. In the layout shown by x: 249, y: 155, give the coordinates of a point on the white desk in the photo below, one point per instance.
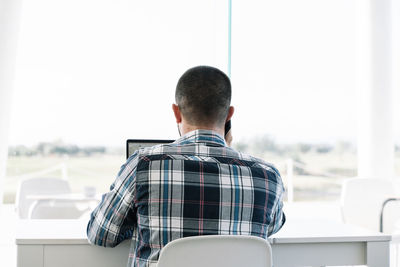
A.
x: 51, y: 243
x: 327, y: 243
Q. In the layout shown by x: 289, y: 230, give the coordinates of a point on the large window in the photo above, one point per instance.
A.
x: 293, y: 70
x: 91, y: 74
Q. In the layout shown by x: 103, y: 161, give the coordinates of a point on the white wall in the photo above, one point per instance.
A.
x: 9, y: 22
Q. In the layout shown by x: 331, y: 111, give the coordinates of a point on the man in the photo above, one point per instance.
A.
x: 194, y: 186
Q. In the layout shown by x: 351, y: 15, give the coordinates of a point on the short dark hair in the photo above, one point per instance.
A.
x: 203, y: 95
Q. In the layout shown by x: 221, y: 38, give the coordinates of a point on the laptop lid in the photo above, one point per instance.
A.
x: 134, y: 144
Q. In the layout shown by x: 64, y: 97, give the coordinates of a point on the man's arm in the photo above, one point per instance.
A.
x: 278, y: 219
x: 114, y: 219
x: 277, y: 216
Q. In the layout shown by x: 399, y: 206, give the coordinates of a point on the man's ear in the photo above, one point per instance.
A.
x: 230, y: 113
x: 177, y: 113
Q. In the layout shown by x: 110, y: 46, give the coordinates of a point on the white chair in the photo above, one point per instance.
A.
x: 29, y: 208
x: 55, y: 209
x: 361, y: 203
x: 217, y: 251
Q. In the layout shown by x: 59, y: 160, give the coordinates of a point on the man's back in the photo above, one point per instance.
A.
x: 194, y: 186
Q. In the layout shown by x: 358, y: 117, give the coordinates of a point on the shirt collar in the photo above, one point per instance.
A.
x: 201, y: 136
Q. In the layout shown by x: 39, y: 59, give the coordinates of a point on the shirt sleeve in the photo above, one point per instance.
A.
x: 114, y: 219
x: 278, y: 218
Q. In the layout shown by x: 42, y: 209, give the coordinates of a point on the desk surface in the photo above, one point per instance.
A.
x: 294, y: 231
x: 315, y: 231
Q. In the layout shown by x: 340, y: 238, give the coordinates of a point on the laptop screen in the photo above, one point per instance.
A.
x: 134, y: 144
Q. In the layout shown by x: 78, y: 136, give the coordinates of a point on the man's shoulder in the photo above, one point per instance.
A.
x: 260, y: 163
x: 164, y: 151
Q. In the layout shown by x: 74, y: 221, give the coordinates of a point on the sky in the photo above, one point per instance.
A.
x: 99, y: 72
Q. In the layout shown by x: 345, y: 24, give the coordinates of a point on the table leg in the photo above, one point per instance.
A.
x: 378, y: 254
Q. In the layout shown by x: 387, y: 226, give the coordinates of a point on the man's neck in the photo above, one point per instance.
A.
x: 186, y: 128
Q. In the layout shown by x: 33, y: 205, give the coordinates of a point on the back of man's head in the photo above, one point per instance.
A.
x: 203, y: 95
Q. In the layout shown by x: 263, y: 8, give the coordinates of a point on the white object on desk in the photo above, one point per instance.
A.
x: 51, y: 243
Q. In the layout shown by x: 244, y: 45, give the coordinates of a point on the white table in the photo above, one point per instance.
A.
x: 51, y: 243
x: 325, y: 243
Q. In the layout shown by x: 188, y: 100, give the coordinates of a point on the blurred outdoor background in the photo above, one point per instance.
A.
x: 318, y: 169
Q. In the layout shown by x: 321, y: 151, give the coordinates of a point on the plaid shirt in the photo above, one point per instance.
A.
x: 194, y: 186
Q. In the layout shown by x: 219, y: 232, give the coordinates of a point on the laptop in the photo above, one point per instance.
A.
x: 134, y: 144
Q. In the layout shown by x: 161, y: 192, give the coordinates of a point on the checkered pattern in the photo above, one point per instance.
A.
x: 194, y: 186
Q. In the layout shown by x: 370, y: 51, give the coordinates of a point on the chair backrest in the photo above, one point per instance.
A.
x: 38, y: 186
x: 55, y: 209
x: 362, y: 201
x: 217, y: 251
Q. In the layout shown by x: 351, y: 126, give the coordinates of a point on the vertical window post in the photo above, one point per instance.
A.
x: 374, y: 77
x: 230, y: 38
x: 9, y: 22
